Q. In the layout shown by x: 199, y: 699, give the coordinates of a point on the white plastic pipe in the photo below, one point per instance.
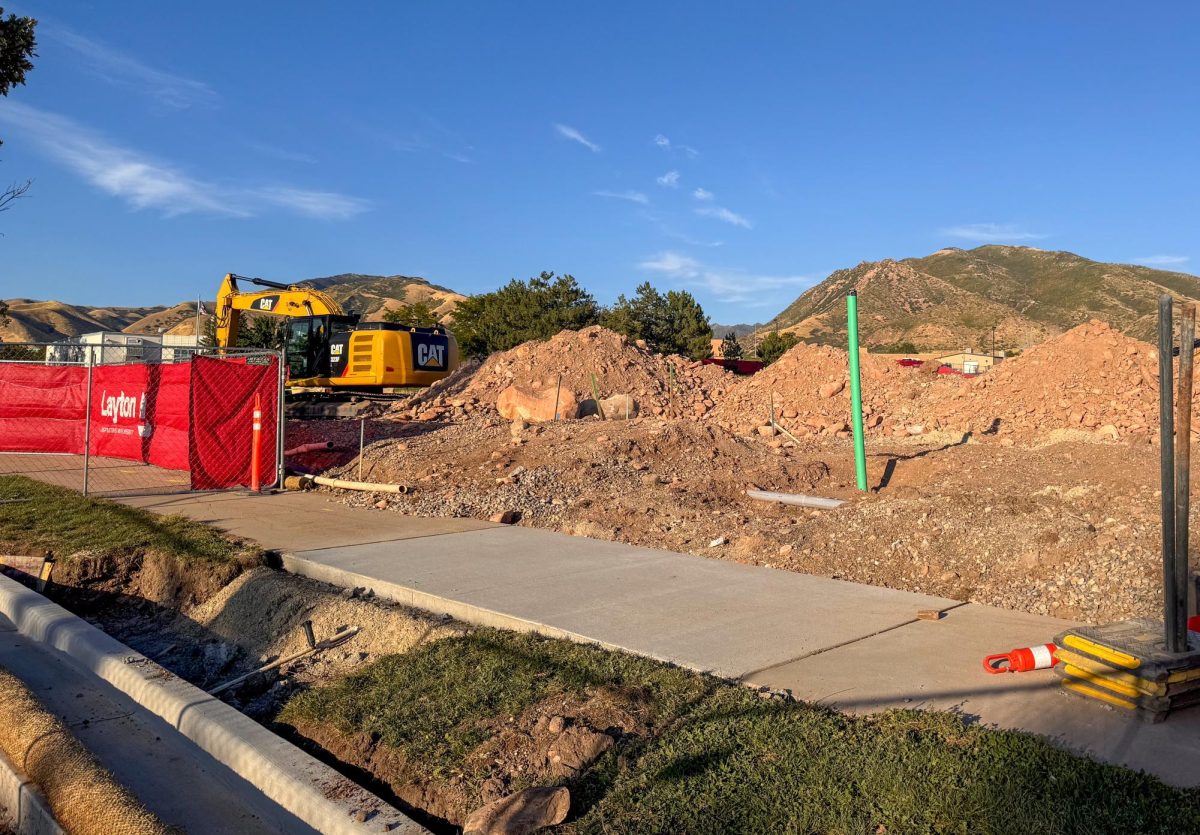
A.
x: 797, y: 499
x: 365, y: 486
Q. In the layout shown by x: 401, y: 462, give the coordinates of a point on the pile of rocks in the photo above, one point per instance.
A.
x: 576, y: 366
x: 1091, y: 378
x: 808, y: 391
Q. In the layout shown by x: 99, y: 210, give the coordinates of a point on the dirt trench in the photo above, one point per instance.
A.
x: 210, y: 623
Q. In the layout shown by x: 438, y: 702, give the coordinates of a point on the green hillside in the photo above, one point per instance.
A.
x: 953, y: 299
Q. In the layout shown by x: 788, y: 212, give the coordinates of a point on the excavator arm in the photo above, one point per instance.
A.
x: 278, y: 300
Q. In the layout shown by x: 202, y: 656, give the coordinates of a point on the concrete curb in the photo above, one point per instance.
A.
x: 24, y: 803
x: 313, y: 792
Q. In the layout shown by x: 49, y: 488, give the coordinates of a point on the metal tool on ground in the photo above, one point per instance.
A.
x: 1145, y: 666
x: 1022, y: 660
x: 313, y: 647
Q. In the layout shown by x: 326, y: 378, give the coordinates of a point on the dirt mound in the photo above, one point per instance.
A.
x: 1090, y: 378
x: 593, y: 361
x: 809, y: 387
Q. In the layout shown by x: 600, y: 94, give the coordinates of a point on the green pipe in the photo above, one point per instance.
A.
x: 860, y: 449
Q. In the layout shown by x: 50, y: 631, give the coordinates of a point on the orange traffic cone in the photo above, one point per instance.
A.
x: 1039, y: 657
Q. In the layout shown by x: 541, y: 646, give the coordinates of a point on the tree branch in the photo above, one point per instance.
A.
x: 13, y: 192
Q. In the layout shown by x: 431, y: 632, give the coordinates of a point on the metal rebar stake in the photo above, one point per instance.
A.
x: 87, y: 427
x: 1183, y: 480
x: 1166, y: 438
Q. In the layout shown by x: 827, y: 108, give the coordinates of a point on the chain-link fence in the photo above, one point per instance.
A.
x: 141, y: 417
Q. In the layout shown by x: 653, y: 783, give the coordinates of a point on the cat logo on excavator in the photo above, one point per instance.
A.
x: 431, y: 355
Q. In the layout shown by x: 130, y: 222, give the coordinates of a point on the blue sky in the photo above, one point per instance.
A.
x: 740, y: 151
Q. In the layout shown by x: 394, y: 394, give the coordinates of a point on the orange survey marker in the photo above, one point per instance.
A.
x: 1039, y: 657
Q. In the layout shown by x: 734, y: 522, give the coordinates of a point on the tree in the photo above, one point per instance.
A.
x: 17, y: 45
x: 903, y: 346
x: 254, y: 331
x: 775, y: 344
x: 523, y: 310
x: 418, y: 315
x: 670, y: 324
x: 731, y: 349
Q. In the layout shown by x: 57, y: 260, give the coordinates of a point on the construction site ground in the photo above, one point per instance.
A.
x: 453, y: 722
x: 853, y: 646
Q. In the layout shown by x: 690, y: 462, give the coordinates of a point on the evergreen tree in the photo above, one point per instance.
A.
x: 731, y: 349
x: 673, y: 323
x: 523, y: 310
x: 775, y: 344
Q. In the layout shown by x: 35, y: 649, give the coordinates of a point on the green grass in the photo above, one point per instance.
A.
x: 65, y: 522
x: 739, y: 764
x: 720, y: 759
x: 433, y: 702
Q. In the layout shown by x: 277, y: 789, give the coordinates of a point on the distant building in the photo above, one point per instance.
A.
x: 969, y: 362
x: 115, y: 347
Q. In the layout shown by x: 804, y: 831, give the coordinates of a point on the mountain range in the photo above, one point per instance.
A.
x: 950, y: 300
x: 28, y: 320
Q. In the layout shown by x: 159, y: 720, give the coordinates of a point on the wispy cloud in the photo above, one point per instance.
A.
x: 723, y: 214
x: 432, y: 137
x: 631, y: 196
x: 667, y: 145
x: 1163, y: 260
x: 670, y: 179
x: 726, y: 284
x: 117, y: 67
x: 992, y: 232
x: 702, y: 194
x: 281, y: 153
x: 147, y: 183
x: 568, y: 132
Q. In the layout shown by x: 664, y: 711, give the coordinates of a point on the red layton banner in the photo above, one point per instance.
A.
x: 140, y: 412
x: 195, y: 416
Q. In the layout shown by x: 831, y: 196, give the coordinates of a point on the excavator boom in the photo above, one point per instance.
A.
x: 279, y: 300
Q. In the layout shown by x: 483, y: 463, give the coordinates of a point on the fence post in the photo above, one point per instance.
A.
x: 87, y: 427
x: 280, y: 425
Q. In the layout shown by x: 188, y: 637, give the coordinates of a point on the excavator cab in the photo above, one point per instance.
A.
x: 313, y: 349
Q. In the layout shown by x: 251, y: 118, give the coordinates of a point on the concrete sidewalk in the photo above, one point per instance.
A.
x: 856, y: 647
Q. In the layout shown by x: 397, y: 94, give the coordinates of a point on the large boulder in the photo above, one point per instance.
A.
x: 617, y: 407
x: 537, y: 405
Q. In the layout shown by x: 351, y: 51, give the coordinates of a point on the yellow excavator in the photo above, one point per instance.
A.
x: 329, y: 350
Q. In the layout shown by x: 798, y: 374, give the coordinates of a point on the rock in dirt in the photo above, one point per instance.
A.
x: 618, y: 407
x: 506, y: 517
x: 575, y: 749
x: 537, y: 405
x: 517, y: 814
x: 832, y: 389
